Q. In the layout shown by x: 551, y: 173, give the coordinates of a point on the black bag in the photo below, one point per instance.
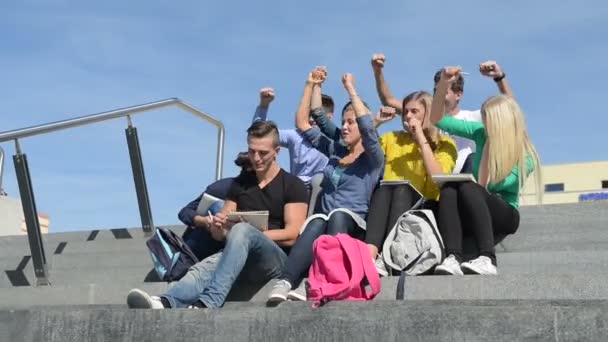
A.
x: 171, y: 256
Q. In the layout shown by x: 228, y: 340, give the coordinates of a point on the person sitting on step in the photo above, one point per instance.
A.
x: 349, y: 179
x: 504, y: 159
x: 250, y: 253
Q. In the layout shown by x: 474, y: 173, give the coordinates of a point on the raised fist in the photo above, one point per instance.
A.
x: 490, y: 69
x: 378, y: 60
x: 266, y: 96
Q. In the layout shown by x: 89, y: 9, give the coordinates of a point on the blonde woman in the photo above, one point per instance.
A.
x: 414, y: 154
x: 505, y: 157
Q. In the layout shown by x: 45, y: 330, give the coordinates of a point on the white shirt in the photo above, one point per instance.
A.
x: 465, y: 146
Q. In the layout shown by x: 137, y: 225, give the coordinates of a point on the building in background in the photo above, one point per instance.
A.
x: 12, y: 221
x: 570, y: 183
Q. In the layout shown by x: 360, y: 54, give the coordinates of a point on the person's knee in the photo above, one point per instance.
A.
x: 339, y: 222
x: 241, y: 232
x: 468, y: 187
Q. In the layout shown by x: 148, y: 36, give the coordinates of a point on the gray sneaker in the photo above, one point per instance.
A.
x: 138, y: 299
x: 279, y: 292
x: 381, y: 266
x: 298, y: 294
x: 449, y: 266
x: 482, y: 265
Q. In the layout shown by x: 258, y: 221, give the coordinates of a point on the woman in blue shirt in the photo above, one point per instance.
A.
x: 350, y: 176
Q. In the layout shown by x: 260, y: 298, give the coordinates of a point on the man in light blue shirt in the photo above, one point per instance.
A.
x: 305, y: 160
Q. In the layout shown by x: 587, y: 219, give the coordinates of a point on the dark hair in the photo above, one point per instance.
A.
x: 262, y: 129
x: 328, y: 103
x: 457, y: 86
x: 242, y: 160
x: 349, y: 104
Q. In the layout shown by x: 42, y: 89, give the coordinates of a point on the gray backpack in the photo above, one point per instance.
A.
x: 414, y: 245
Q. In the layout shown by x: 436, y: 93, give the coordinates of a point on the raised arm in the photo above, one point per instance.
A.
x: 302, y: 122
x: 369, y: 136
x: 493, y: 70
x: 318, y: 113
x: 261, y: 111
x: 384, y: 92
x: 448, y: 76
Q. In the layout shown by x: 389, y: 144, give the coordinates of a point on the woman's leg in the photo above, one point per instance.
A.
x: 449, y: 221
x: 300, y: 256
x: 377, y: 218
x: 488, y: 214
x: 341, y: 223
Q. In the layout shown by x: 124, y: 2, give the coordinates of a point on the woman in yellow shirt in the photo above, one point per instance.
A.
x: 413, y: 154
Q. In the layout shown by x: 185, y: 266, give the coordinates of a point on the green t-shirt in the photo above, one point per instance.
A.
x: 508, y: 188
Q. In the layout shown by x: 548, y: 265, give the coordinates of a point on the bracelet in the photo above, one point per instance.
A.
x: 354, y: 95
x: 500, y: 78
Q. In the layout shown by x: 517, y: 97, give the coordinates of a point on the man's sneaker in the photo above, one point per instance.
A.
x: 138, y: 299
x: 279, y: 292
x: 482, y: 265
x: 381, y: 266
x: 298, y: 294
x: 449, y: 266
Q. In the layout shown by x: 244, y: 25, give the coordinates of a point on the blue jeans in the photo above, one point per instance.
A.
x: 300, y: 256
x: 248, y: 254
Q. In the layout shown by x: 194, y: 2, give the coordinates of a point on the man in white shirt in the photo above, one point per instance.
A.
x: 452, y: 102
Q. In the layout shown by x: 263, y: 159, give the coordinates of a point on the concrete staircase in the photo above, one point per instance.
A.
x: 552, y: 286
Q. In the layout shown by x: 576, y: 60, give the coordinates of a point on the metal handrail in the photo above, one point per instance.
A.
x: 113, y: 114
x: 1, y: 168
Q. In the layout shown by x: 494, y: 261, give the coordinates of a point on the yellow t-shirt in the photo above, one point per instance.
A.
x: 404, y: 161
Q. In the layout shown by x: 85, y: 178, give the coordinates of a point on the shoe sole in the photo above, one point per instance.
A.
x: 275, y: 300
x: 445, y: 271
x: 470, y: 269
x: 137, y: 299
x: 296, y: 296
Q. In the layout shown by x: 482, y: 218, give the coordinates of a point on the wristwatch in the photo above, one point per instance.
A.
x: 500, y: 78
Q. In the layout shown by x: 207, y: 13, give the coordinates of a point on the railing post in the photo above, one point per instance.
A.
x: 30, y: 213
x: 139, y: 178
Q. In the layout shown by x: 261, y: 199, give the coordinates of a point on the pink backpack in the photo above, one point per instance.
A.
x: 339, y: 267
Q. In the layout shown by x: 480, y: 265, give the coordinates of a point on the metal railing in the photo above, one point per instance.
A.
x: 23, y: 175
x: 1, y: 169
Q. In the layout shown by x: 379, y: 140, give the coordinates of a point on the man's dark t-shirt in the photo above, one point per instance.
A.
x: 283, y: 189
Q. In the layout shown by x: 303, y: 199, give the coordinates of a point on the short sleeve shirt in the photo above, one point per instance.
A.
x: 283, y: 189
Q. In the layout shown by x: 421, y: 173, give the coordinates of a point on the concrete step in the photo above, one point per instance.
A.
x: 521, y: 287
x: 592, y: 261
x: 336, y: 321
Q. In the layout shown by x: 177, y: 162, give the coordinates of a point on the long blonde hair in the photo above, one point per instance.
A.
x: 509, y: 143
x: 430, y: 131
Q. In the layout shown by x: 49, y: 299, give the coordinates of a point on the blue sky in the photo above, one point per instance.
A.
x: 62, y: 59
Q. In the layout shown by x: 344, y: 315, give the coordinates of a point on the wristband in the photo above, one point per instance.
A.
x: 500, y: 78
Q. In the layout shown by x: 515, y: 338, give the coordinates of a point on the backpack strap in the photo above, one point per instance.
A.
x: 349, y: 246
x: 401, y: 286
x: 369, y: 269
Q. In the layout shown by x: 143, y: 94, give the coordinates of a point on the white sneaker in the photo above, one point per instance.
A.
x: 482, y: 265
x: 449, y: 266
x: 279, y: 292
x: 138, y: 299
x: 381, y: 266
x: 298, y: 294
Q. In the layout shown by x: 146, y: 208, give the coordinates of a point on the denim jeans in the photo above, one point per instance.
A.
x: 248, y: 254
x: 300, y: 257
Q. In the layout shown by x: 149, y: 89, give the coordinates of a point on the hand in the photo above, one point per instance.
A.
x: 415, y: 127
x: 348, y: 80
x: 319, y: 74
x: 378, y: 60
x: 490, y: 69
x: 450, y: 74
x: 217, y: 234
x: 384, y: 115
x: 266, y: 96
x: 219, y: 221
